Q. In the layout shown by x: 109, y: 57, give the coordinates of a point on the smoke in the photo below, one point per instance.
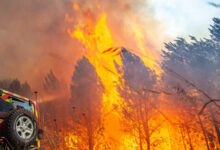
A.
x: 29, y: 32
x: 51, y: 83
x: 34, y: 38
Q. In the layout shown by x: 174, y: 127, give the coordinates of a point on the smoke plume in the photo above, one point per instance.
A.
x: 34, y: 38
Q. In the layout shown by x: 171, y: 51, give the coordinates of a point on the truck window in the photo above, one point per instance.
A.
x: 16, y: 102
x: 5, y: 106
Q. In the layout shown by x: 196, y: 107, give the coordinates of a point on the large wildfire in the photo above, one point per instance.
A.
x: 114, y: 97
x: 125, y: 113
x: 104, y: 52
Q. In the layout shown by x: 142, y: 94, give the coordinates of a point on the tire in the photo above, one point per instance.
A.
x: 21, y: 129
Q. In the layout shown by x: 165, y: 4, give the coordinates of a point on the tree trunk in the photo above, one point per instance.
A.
x: 145, y: 123
x: 90, y: 135
x: 89, y: 127
x: 189, y: 137
x: 216, y: 126
x: 204, y: 133
x: 181, y: 130
x: 140, y: 138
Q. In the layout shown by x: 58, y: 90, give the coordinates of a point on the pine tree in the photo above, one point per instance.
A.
x: 86, y: 101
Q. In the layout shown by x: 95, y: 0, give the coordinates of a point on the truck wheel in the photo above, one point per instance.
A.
x: 21, y: 128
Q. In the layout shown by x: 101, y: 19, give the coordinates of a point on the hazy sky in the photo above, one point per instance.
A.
x: 184, y: 17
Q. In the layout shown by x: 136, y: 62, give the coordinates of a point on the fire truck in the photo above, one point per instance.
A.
x: 19, y: 122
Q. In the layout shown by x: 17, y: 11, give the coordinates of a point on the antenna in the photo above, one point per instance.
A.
x: 36, y: 92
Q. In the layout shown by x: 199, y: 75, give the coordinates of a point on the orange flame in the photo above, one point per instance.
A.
x: 102, y: 50
x: 97, y: 39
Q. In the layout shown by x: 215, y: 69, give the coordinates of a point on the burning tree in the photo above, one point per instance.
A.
x: 137, y: 80
x: 86, y: 103
x: 196, y: 64
x: 197, y: 60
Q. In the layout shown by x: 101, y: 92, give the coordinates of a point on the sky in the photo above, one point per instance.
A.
x: 185, y: 17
